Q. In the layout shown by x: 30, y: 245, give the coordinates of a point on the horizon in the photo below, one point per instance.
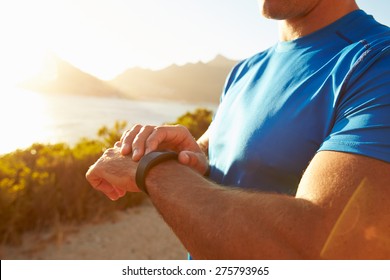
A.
x: 105, y: 38
x: 165, y: 67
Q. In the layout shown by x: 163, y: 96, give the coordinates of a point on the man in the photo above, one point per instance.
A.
x: 302, y: 128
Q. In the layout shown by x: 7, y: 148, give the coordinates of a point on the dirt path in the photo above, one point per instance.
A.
x: 135, y: 234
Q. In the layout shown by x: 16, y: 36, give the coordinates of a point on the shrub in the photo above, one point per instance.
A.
x: 44, y: 186
x: 197, y: 122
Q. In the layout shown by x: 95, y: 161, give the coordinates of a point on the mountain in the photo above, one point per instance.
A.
x: 194, y: 82
x: 199, y: 82
x: 60, y: 77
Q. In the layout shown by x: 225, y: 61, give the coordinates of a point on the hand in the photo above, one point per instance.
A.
x: 113, y: 174
x: 141, y: 140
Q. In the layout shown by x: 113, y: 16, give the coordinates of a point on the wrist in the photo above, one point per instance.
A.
x: 148, y: 162
x: 163, y: 176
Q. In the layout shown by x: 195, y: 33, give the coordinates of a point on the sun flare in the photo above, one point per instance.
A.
x: 19, y: 67
x: 22, y: 118
x: 21, y: 50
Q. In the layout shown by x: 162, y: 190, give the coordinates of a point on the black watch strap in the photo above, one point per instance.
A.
x: 147, y: 162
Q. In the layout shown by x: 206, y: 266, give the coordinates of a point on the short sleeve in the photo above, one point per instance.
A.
x: 362, y: 119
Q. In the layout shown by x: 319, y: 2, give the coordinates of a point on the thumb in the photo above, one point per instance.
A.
x: 195, y: 160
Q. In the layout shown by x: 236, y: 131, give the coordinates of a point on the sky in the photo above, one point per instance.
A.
x: 106, y: 37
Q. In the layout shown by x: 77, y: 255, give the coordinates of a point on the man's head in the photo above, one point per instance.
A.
x: 301, y: 17
x: 289, y: 9
x: 286, y: 9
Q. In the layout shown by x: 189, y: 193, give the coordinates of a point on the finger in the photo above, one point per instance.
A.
x: 173, y: 137
x: 124, y: 134
x: 107, y: 153
x: 110, y: 191
x: 128, y: 138
x: 92, y: 178
x: 138, y: 146
x: 104, y: 187
x: 120, y: 192
x: 112, y: 194
x: 197, y: 161
x: 101, y: 185
x: 101, y: 180
x: 158, y: 136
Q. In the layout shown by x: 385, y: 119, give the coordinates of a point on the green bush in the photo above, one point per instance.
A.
x: 44, y: 186
x: 197, y: 122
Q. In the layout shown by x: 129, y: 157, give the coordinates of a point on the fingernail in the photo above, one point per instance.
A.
x: 184, y: 158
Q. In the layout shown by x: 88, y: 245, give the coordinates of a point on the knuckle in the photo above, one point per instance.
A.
x: 136, y: 142
x: 180, y: 126
x: 125, y: 135
x: 159, y: 133
x: 182, y: 129
x: 129, y: 134
x: 151, y: 142
x: 136, y: 127
x: 160, y: 128
x: 148, y: 128
x: 110, y: 150
x: 88, y: 175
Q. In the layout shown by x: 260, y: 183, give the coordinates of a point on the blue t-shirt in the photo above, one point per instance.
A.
x: 329, y: 90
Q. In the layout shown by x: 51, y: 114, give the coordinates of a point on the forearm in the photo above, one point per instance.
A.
x: 215, y: 222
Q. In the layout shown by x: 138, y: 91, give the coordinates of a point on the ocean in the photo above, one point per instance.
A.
x: 28, y: 117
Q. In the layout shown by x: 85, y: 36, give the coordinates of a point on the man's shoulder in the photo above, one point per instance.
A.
x: 378, y: 41
x: 244, y: 66
x: 367, y: 34
x: 254, y: 59
x: 361, y: 54
x: 247, y: 64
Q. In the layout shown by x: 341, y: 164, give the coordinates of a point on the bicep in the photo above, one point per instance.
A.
x: 353, y: 192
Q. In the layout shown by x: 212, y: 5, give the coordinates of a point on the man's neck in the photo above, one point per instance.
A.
x: 320, y: 16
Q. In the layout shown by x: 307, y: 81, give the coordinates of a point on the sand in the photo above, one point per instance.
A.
x: 138, y: 233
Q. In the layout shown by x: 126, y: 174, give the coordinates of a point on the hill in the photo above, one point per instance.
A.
x: 60, y: 77
x: 199, y: 82
x: 195, y: 82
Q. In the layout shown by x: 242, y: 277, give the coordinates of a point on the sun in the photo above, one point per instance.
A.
x: 23, y: 117
x: 24, y: 42
x: 18, y: 66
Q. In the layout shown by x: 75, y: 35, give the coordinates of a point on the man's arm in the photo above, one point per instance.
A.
x: 221, y: 222
x: 227, y: 223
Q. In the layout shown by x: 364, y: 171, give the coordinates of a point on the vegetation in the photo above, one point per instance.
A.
x: 44, y: 186
x: 197, y: 122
